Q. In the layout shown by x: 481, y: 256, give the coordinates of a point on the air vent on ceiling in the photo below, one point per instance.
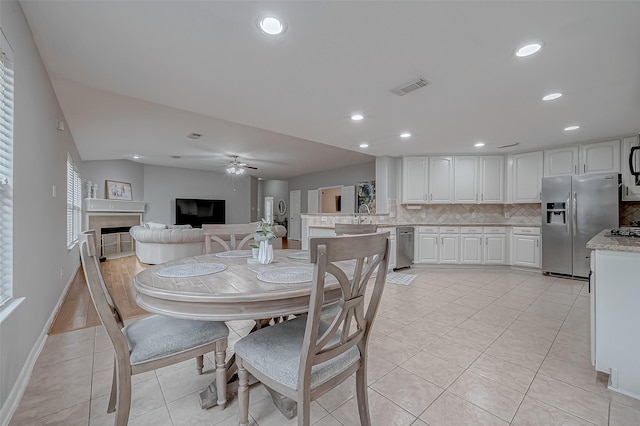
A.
x: 410, y: 87
x: 509, y: 145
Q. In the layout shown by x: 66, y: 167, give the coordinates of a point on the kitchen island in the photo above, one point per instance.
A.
x: 615, y: 310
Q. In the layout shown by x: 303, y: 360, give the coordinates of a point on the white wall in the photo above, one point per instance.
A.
x: 162, y: 185
x: 343, y: 176
x: 118, y: 170
x: 40, y: 154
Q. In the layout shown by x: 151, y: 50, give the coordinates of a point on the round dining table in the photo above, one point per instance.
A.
x: 229, y: 286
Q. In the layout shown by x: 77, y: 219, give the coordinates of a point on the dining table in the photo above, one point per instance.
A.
x: 230, y: 286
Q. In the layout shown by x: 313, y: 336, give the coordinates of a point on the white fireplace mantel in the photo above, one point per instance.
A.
x: 96, y: 205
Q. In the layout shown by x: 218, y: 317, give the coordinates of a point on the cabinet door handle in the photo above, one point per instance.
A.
x: 482, y: 197
x: 575, y: 169
x: 431, y: 199
x: 537, y: 243
x: 584, y: 168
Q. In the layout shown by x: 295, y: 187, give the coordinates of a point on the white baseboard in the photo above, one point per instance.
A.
x: 17, y: 392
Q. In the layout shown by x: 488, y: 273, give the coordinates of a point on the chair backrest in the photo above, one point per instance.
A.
x: 353, y: 229
x: 105, y: 305
x: 343, y: 258
x: 233, y: 232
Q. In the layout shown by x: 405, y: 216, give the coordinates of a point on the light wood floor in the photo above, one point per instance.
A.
x: 77, y: 310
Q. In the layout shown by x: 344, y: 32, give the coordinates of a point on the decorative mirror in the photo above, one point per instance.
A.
x: 282, y: 207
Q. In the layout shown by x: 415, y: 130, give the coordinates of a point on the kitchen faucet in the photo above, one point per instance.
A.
x: 363, y: 209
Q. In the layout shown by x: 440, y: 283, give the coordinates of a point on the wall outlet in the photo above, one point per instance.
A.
x: 61, y: 272
x: 507, y: 215
x: 392, y: 214
x: 423, y: 215
x: 324, y: 218
x: 474, y: 215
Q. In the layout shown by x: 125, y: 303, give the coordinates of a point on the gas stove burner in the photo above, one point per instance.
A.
x: 625, y: 232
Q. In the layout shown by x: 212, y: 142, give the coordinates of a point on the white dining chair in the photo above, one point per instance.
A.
x: 149, y: 343
x: 306, y: 357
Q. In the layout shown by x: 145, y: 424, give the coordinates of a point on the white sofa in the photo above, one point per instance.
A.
x: 159, y: 243
x: 154, y: 245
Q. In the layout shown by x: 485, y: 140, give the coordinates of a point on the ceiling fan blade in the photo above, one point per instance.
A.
x: 247, y: 166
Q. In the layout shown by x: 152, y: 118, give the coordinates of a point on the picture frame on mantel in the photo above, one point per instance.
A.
x: 115, y: 190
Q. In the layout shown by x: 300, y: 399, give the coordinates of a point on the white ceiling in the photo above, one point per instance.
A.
x: 135, y: 77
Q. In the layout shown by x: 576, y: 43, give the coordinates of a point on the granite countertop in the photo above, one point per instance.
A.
x: 393, y: 225
x: 603, y: 242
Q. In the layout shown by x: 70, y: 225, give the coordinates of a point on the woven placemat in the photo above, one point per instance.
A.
x: 234, y: 253
x: 287, y: 275
x: 300, y: 255
x: 191, y: 270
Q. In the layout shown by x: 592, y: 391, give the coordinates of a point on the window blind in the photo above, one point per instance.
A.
x: 6, y: 172
x: 74, y: 202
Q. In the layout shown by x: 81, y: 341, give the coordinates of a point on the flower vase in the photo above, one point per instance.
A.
x: 265, y: 254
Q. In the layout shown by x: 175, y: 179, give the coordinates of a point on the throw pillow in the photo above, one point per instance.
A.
x: 154, y: 225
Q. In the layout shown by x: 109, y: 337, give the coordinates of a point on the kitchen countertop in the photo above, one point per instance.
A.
x: 393, y: 225
x: 603, y: 242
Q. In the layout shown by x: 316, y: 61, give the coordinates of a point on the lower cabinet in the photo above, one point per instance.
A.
x: 525, y: 250
x: 448, y: 250
x: 427, y: 248
x: 495, y: 249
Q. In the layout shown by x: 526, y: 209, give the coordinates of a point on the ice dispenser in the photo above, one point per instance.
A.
x: 557, y: 213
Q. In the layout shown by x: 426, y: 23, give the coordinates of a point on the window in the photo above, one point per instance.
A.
x: 74, y: 202
x: 6, y: 171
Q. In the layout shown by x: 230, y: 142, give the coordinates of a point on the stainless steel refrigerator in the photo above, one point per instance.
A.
x: 574, y: 210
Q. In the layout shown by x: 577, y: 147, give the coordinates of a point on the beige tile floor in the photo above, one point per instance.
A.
x: 456, y: 347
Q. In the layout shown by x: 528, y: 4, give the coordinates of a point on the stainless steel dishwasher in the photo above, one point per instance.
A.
x: 404, y: 247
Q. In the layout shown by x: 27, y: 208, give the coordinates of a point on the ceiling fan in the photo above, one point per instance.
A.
x: 237, y: 168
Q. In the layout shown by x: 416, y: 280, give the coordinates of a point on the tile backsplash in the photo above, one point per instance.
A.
x: 526, y: 214
x: 629, y: 211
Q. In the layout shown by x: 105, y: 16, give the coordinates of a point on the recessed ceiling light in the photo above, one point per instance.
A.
x: 570, y: 128
x: 357, y: 117
x: 529, y: 49
x: 551, y: 96
x: 136, y: 156
x: 364, y: 145
x: 271, y: 25
x: 405, y: 135
x: 479, y: 144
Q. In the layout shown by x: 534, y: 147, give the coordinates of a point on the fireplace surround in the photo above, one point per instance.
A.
x: 99, y: 214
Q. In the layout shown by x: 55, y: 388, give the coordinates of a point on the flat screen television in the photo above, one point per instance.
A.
x: 195, y: 211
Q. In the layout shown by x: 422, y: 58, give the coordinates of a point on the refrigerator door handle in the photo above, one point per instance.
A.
x: 574, y: 211
x: 568, y: 213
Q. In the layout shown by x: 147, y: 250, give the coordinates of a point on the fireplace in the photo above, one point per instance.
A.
x: 113, y: 219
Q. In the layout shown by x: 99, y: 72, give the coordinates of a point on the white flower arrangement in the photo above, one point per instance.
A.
x: 264, y: 231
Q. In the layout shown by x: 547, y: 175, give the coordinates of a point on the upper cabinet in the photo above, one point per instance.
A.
x: 440, y: 180
x: 525, y: 177
x: 601, y: 157
x: 630, y: 186
x: 561, y: 161
x: 465, y: 179
x: 414, y: 179
x: 460, y: 179
x: 491, y: 179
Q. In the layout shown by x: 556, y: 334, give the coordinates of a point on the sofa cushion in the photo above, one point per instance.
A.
x: 154, y: 225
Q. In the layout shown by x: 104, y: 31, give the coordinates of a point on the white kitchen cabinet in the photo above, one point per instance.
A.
x: 630, y: 190
x: 449, y: 245
x: 465, y: 182
x: 601, y: 157
x: 440, y: 180
x: 561, y: 161
x: 491, y: 180
x: 525, y: 247
x: 525, y: 177
x: 471, y: 248
x: 495, y: 246
x: 414, y: 180
x: 427, y: 246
